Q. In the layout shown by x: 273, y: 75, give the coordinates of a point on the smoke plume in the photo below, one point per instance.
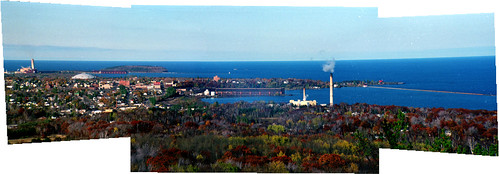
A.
x: 329, y: 66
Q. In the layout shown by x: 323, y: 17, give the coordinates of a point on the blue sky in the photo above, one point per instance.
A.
x: 218, y: 33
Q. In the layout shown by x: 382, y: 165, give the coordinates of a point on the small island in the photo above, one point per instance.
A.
x: 133, y: 68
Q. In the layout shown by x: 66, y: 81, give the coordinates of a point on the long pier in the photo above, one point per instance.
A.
x: 425, y: 90
x: 249, y: 91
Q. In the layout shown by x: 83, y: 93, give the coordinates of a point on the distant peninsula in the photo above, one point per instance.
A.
x: 136, y: 69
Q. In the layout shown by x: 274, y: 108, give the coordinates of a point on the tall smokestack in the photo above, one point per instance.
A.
x: 331, y: 89
x: 304, y: 96
x: 329, y: 67
x: 32, y: 64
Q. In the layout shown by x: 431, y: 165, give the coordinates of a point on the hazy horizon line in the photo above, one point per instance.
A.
x: 299, y: 60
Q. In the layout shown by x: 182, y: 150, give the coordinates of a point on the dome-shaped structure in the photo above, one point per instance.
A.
x: 83, y: 76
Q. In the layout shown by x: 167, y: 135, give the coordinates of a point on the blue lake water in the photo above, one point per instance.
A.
x: 379, y: 97
x: 463, y: 74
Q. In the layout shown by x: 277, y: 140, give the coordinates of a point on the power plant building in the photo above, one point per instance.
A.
x: 303, y: 102
x: 28, y: 70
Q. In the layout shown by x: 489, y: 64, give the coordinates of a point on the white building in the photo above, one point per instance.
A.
x: 305, y: 102
x: 83, y: 76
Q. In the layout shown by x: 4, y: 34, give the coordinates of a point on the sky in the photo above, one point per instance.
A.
x: 228, y: 33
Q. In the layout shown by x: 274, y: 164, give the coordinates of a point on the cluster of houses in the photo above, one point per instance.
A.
x: 102, y: 95
x: 132, y: 83
x: 96, y: 92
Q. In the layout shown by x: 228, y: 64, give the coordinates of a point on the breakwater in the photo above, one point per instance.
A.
x: 249, y: 91
x: 426, y: 90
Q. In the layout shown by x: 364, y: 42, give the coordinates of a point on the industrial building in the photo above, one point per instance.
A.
x: 28, y: 70
x: 303, y: 102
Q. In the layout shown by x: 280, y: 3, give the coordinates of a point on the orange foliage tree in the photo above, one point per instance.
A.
x: 331, y: 162
x: 166, y: 158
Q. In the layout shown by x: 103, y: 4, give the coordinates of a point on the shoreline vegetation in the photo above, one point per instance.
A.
x: 173, y: 130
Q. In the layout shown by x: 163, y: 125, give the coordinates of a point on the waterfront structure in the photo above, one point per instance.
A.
x: 28, y: 70
x: 207, y: 92
x: 303, y: 102
x: 109, y: 72
x: 248, y: 91
x: 83, y: 76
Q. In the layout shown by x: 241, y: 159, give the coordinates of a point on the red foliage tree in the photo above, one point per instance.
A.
x: 244, y: 155
x: 310, y: 163
x: 237, y: 152
x: 278, y: 149
x: 253, y: 160
x: 284, y: 159
x: 331, y: 161
x: 191, y: 124
x: 64, y: 128
x: 166, y: 158
x: 489, y: 134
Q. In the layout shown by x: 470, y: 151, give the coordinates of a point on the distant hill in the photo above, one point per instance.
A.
x: 137, y: 68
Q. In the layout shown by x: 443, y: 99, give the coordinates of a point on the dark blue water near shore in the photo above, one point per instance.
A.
x: 464, y: 74
x: 379, y: 97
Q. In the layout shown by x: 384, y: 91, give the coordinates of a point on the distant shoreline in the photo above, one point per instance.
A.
x: 133, y: 68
